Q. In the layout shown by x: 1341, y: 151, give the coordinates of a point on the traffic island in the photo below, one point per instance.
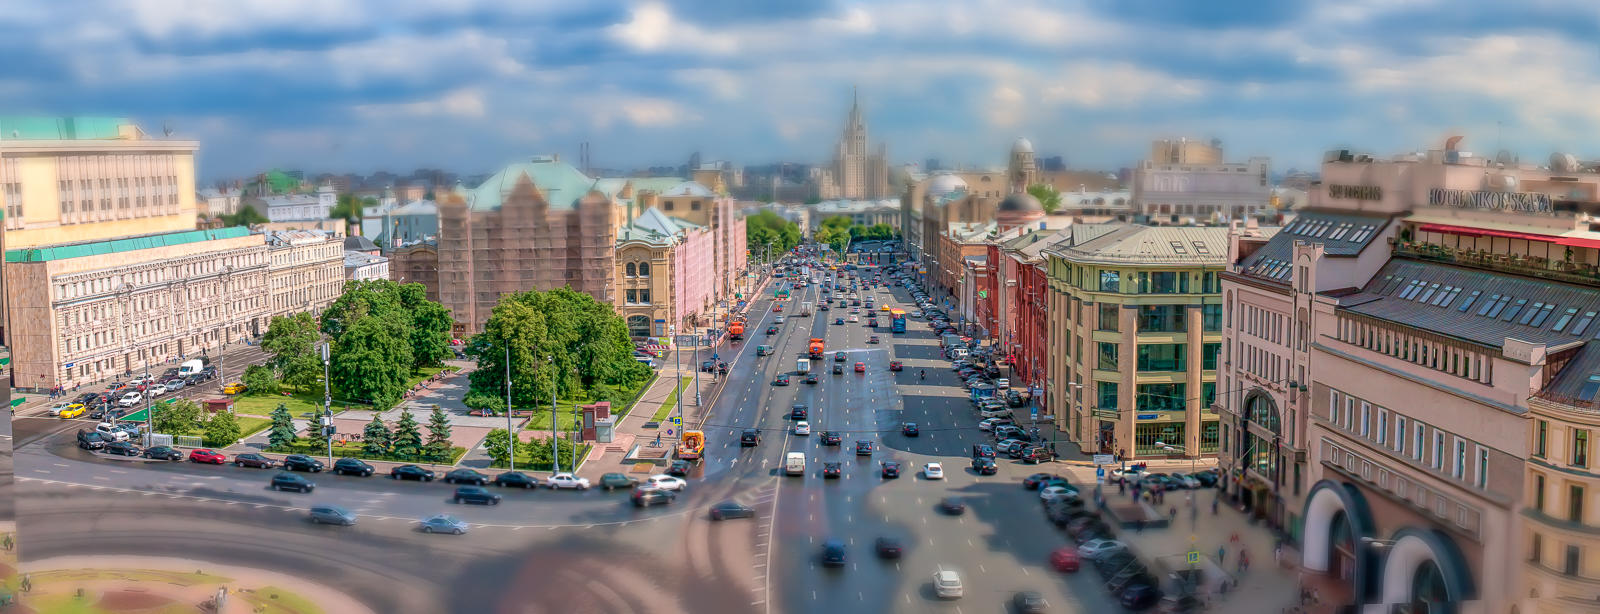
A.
x: 147, y: 585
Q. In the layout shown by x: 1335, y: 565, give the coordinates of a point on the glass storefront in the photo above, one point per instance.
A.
x: 1146, y: 435
x: 1209, y: 434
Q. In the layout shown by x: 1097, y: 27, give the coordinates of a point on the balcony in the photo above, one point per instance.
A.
x: 1515, y: 264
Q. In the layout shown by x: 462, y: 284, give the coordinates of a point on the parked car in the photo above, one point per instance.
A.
x: 515, y: 479
x: 466, y: 476
x: 251, y: 459
x: 352, y: 466
x: 122, y: 448
x: 567, y: 481
x: 301, y: 462
x: 331, y: 514
x: 411, y: 472
x: 1064, y: 559
x: 163, y: 453
x: 1097, y: 548
x: 292, y: 481
x: 647, y: 496
x: 130, y: 399
x: 666, y: 482
x: 475, y: 494
x: 610, y: 481
x: 210, y: 457
x: 444, y: 523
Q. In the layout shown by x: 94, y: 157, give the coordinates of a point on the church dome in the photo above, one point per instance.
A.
x: 1021, y: 146
x: 1021, y: 202
x: 945, y: 183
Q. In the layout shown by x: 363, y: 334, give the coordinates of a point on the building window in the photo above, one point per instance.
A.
x: 1208, y: 356
x: 1108, y: 317
x: 644, y: 297
x: 633, y: 297
x: 1108, y: 356
x: 630, y: 270
x: 1211, y: 317
x: 1482, y: 471
x: 1349, y: 413
x: 1161, y: 397
x: 1209, y: 434
x: 1399, y: 433
x: 1575, y: 503
x: 1416, y: 442
x: 1572, y: 565
x: 1538, y: 493
x: 1146, y: 436
x: 1161, y: 318
x: 1162, y: 356
x: 1208, y: 393
x: 1536, y: 549
x: 667, y: 204
x: 1163, y: 282
x: 1580, y: 447
x: 1211, y: 283
x: 644, y: 269
x: 1438, y: 449
x: 1366, y: 419
x: 1460, y: 468
x: 1110, y: 281
x: 1333, y: 406
x: 1108, y: 396
x: 694, y: 205
x: 1541, y: 434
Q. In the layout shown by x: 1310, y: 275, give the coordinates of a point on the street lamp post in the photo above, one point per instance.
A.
x: 555, y: 441
x: 327, y: 403
x: 511, y: 433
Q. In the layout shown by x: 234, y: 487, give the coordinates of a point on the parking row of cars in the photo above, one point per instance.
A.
x: 120, y: 397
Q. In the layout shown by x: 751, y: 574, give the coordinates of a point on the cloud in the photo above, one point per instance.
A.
x: 465, y: 102
x: 651, y: 27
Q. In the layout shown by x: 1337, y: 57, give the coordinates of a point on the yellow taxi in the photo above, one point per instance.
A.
x: 234, y: 388
x: 883, y: 307
x: 72, y: 410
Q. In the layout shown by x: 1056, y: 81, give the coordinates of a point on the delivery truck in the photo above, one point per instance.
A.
x: 805, y: 309
x: 803, y: 366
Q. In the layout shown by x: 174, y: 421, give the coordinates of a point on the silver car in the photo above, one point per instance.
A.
x: 444, y: 523
x: 332, y: 514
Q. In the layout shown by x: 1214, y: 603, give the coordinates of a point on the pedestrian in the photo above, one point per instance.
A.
x: 1172, y: 514
x: 1214, y: 506
x: 27, y: 583
x: 1277, y: 553
x: 1122, y: 487
x: 1138, y: 526
x: 1244, y: 560
x: 1234, y: 539
x: 1222, y: 554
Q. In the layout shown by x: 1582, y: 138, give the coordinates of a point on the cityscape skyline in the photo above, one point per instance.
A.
x: 472, y: 87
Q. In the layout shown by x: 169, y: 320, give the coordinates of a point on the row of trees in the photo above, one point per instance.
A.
x: 405, y: 442
x: 838, y: 231
x: 768, y: 228
x: 562, y: 343
x: 380, y: 331
x: 184, y: 417
x: 538, y: 454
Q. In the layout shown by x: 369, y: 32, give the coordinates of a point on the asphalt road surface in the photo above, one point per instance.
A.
x: 548, y: 551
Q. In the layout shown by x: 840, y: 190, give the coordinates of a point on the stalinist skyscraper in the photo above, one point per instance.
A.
x: 856, y: 174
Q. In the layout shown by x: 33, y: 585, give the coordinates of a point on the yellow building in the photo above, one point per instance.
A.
x: 1559, y: 530
x: 78, y: 179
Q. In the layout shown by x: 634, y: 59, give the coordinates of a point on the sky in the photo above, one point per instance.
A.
x: 469, y: 85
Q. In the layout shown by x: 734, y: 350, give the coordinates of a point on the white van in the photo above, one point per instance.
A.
x: 191, y: 367
x: 958, y: 354
x: 794, y: 463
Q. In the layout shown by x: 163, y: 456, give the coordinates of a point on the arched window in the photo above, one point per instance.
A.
x: 1262, y: 411
x: 631, y: 270
x: 644, y: 269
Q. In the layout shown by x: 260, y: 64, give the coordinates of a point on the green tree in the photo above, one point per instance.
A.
x: 292, y: 342
x: 766, y: 226
x: 587, y: 340
x: 423, y: 325
x: 180, y: 417
x: 430, y: 327
x: 1048, y: 196
x: 282, y: 432
x: 881, y: 232
x: 407, y: 440
x: 438, y: 446
x: 246, y: 216
x: 222, y: 430
x: 501, y: 446
x: 347, y: 208
x: 375, y: 437
x: 258, y: 380
x: 490, y: 402
x: 372, y: 358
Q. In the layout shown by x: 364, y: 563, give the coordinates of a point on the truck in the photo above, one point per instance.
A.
x: 736, y: 330
x: 803, y: 366
x: 805, y: 309
x: 692, y: 445
x: 897, y: 322
x: 794, y: 463
x: 814, y: 349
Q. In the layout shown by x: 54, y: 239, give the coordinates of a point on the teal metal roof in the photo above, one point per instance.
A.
x: 117, y: 246
x: 561, y: 184
x: 60, y: 128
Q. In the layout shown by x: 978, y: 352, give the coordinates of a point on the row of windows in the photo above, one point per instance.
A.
x: 1146, y: 282
x: 1577, y: 445
x: 1160, y: 318
x: 1444, y: 452
x: 638, y: 297
x: 641, y: 269
x: 1416, y: 349
x: 104, y: 284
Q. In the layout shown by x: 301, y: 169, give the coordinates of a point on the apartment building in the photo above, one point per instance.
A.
x: 1185, y: 181
x: 306, y: 271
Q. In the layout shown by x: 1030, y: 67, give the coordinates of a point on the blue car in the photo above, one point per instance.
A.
x: 444, y: 523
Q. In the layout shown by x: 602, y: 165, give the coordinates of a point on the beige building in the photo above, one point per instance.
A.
x: 83, y: 312
x: 307, y: 270
x: 76, y: 179
x: 417, y: 263
x: 1186, y: 181
x: 857, y: 171
x: 537, y: 225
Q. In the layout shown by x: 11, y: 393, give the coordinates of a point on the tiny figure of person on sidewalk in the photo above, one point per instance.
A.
x: 1222, y: 554
x: 1244, y: 560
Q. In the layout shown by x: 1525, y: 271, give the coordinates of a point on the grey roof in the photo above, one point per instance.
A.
x: 357, y: 259
x: 1404, y: 292
x: 359, y: 244
x: 1137, y: 244
x: 417, y: 207
x: 1342, y: 233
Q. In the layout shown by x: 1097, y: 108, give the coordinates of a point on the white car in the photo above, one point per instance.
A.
x: 1184, y: 479
x: 157, y: 390
x: 995, y: 413
x: 666, y: 482
x: 1132, y: 474
x: 131, y: 399
x: 933, y: 471
x: 1094, y: 549
x: 110, y: 431
x: 1054, y: 493
x: 802, y: 428
x: 987, y: 424
x: 855, y: 318
x: 61, y: 407
x: 947, y: 584
x: 778, y: 319
x: 1002, y: 383
x: 567, y: 480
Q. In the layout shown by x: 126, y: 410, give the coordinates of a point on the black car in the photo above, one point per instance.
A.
x: 772, y: 330
x: 90, y: 440
x: 476, y: 494
x: 516, y: 479
x: 1028, y: 602
x: 732, y: 509
x: 798, y: 412
x: 251, y: 459
x: 466, y: 476
x: 163, y: 453
x: 863, y: 448
x: 301, y: 462
x: 750, y: 437
x: 1140, y: 596
x: 891, y: 469
x: 1036, y: 454
x: 838, y: 357
x: 646, y: 497
x: 352, y: 466
x: 888, y: 547
x: 616, y: 480
x: 837, y: 321
x: 290, y: 481
x: 832, y: 470
x: 833, y: 553
x: 838, y: 369
x: 1033, y: 482
x: 679, y: 468
x: 1207, y: 478
x: 811, y: 378
x: 910, y: 429
x: 411, y: 472
x: 122, y: 448
x: 781, y: 380
x: 984, y: 466
x: 830, y: 438
x: 982, y: 450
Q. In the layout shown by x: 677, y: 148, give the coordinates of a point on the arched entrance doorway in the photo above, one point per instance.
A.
x: 1259, y: 455
x: 639, y: 326
x: 1425, y: 572
x: 1336, y: 519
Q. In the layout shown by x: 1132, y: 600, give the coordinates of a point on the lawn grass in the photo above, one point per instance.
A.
x: 274, y: 600
x: 302, y: 402
x: 540, y: 420
x: 249, y: 425
x: 671, y: 402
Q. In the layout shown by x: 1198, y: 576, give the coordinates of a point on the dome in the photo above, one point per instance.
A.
x: 945, y: 183
x: 1022, y: 146
x: 1020, y: 202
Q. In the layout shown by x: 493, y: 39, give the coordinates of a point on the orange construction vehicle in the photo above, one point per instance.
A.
x: 692, y: 445
x: 736, y: 330
x: 815, y: 349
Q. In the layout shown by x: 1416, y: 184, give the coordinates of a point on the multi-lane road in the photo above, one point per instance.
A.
x: 593, y: 552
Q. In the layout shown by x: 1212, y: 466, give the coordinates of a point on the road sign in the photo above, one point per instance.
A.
x: 669, y: 431
x: 1104, y: 459
x: 1193, y: 557
x: 677, y: 420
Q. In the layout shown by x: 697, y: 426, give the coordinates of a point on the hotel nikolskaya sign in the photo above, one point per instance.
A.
x: 1531, y: 202
x: 1355, y: 192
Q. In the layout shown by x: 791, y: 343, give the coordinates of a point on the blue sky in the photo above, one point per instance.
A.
x: 469, y: 85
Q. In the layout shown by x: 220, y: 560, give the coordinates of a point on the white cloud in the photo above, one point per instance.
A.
x: 723, y: 84
x: 464, y: 102
x: 1101, y: 84
x: 651, y: 27
x: 611, y: 108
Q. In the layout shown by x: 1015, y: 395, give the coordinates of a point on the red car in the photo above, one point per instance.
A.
x: 778, y: 308
x: 894, y: 365
x: 861, y: 367
x: 1064, y: 559
x: 203, y: 455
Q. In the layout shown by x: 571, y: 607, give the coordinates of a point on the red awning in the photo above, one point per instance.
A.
x: 1468, y: 231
